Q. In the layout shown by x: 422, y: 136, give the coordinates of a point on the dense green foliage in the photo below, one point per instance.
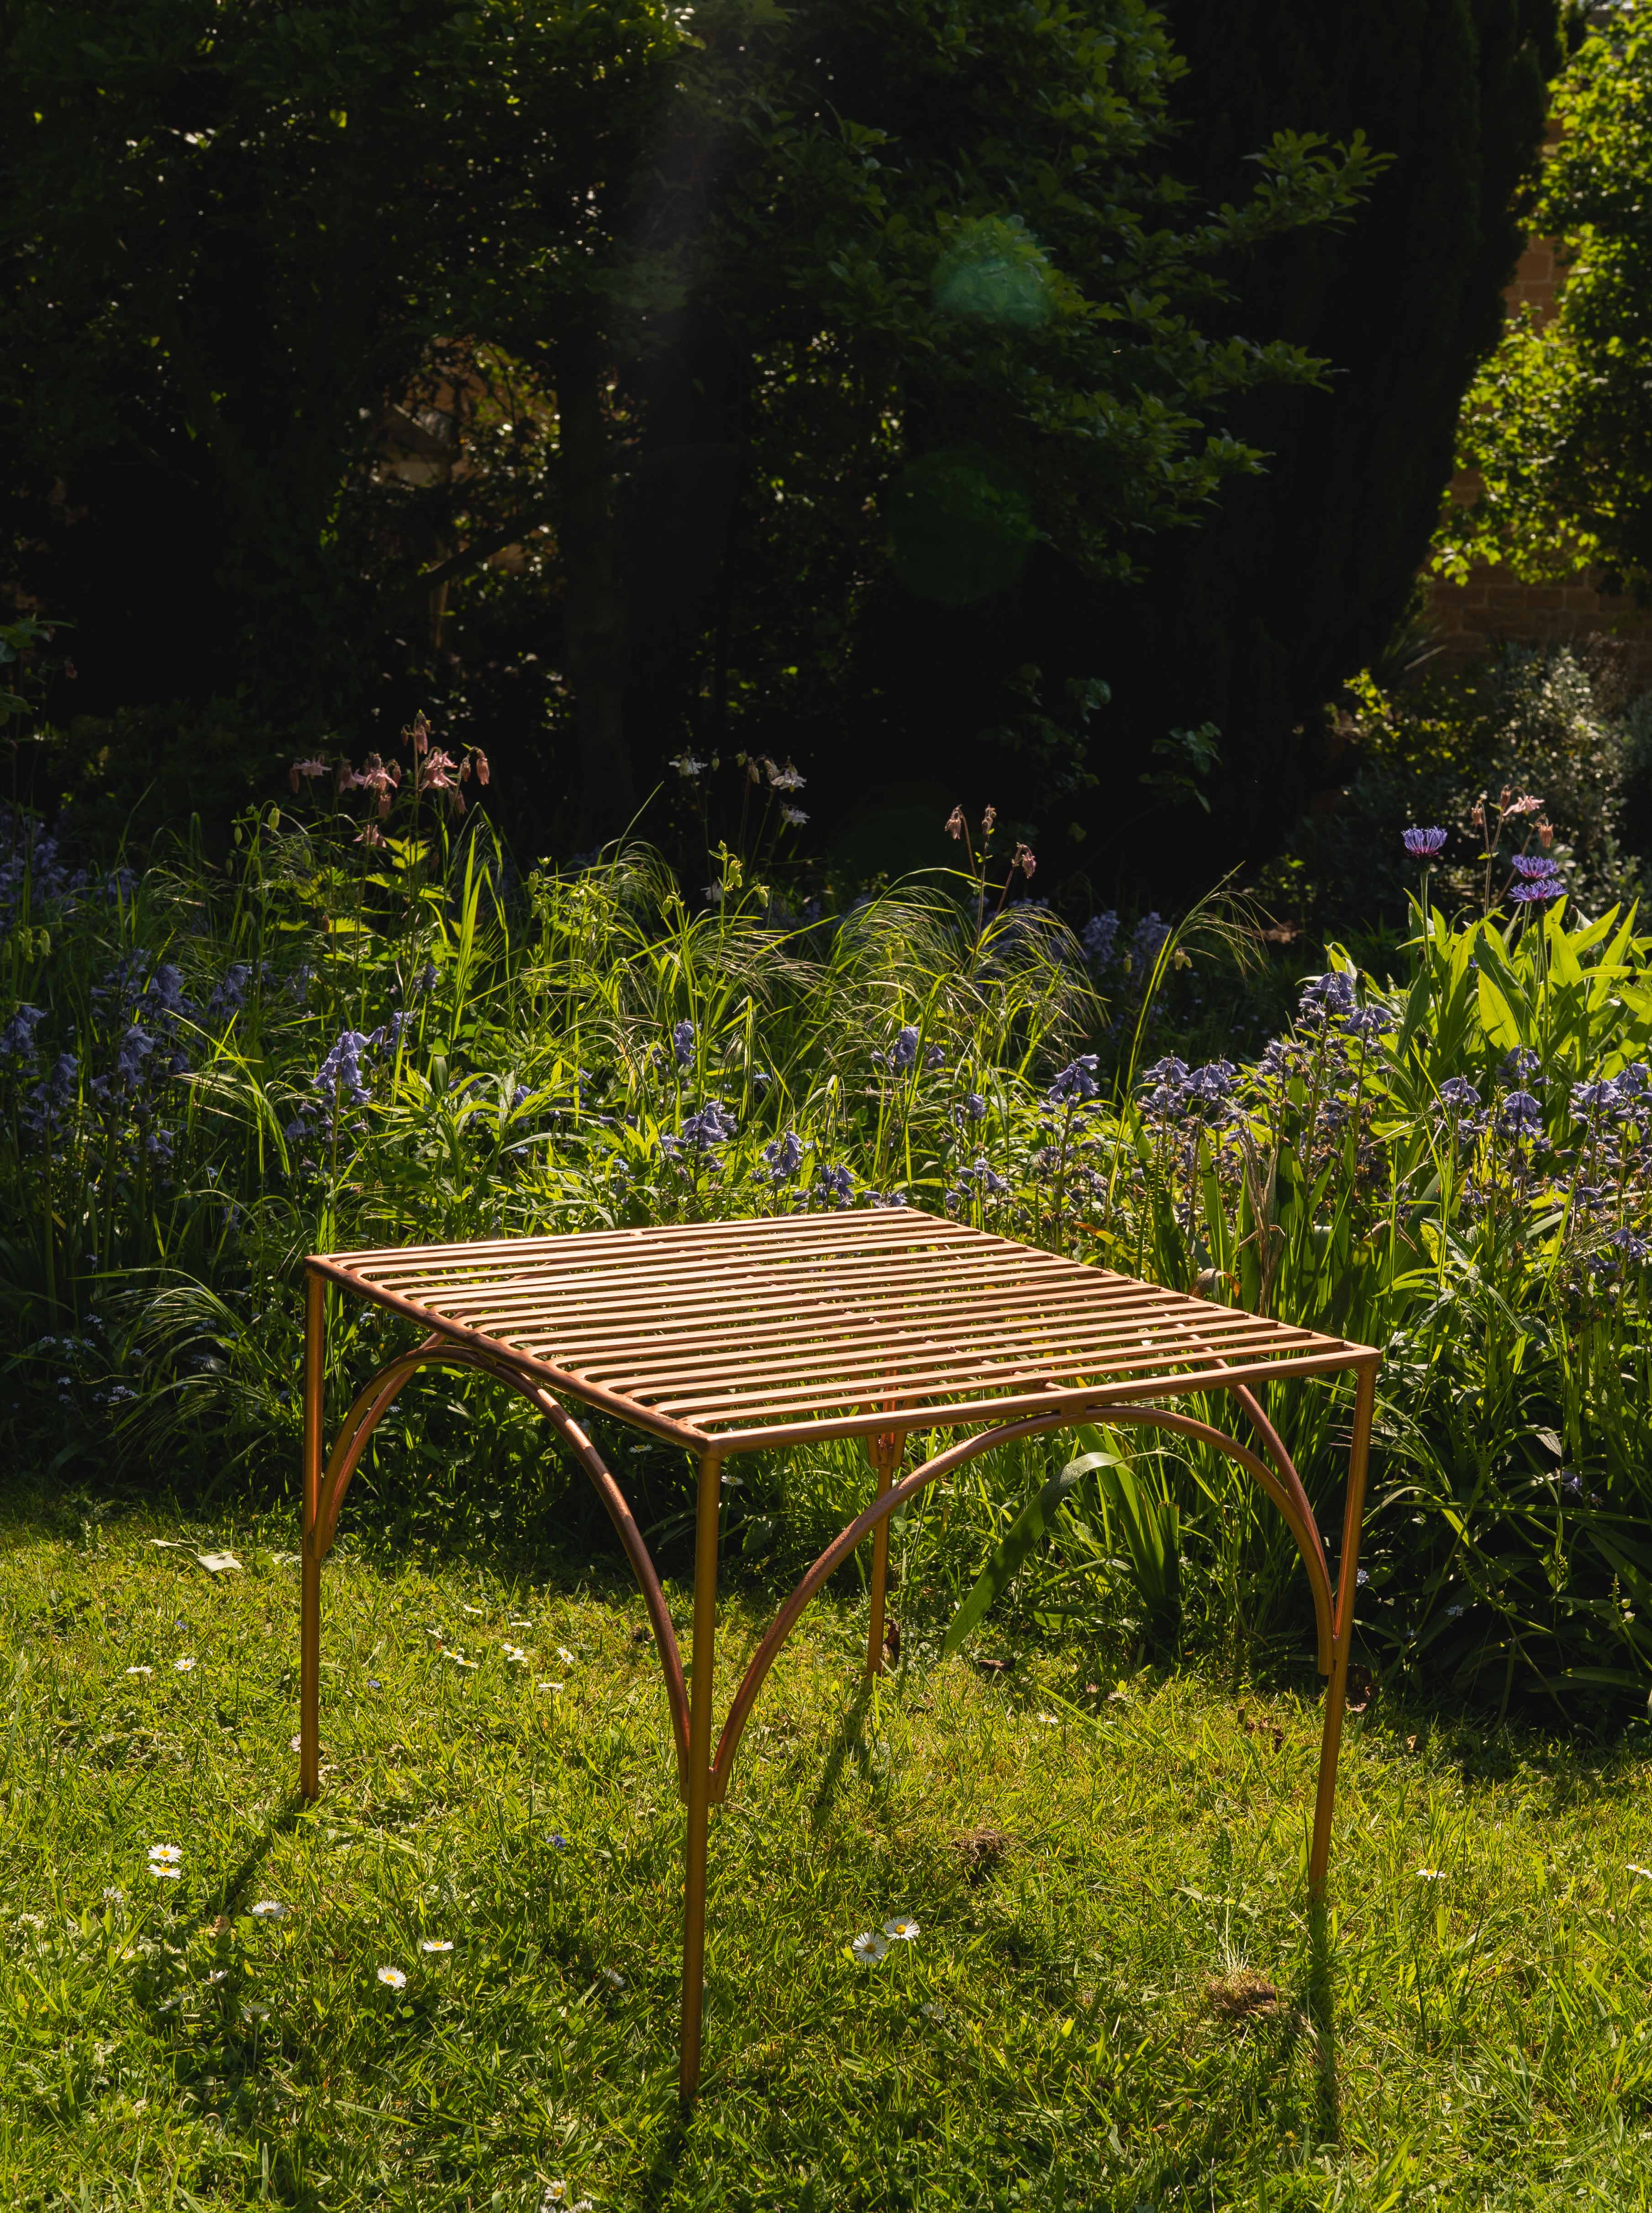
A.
x: 1301, y: 574
x: 701, y: 323
x: 1115, y: 1998
x: 208, y: 1074
x: 1558, y: 425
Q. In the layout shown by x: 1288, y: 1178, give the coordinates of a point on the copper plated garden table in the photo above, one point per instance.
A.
x: 739, y: 1337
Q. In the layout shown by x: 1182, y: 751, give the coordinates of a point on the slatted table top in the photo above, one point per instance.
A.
x: 764, y: 1332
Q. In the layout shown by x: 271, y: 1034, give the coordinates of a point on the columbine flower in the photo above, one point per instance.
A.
x: 1025, y: 859
x: 902, y: 1927
x: 787, y: 779
x: 868, y: 1947
x: 794, y: 817
x: 435, y: 1943
x: 165, y: 1854
x: 311, y: 769
x: 686, y: 766
x: 1528, y: 803
x: 1423, y: 845
x: 270, y: 1908
x: 955, y: 823
x: 393, y: 1978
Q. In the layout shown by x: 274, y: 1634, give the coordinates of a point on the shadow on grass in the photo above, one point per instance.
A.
x: 847, y: 1738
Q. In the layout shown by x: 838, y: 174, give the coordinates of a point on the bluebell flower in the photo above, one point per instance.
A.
x: 1423, y: 845
x: 784, y: 1157
x: 1635, y: 1249
x: 682, y: 1039
x: 1518, y: 1066
x: 835, y: 1184
x: 1589, y: 1099
x: 519, y: 1098
x: 903, y: 1054
x: 1329, y: 993
x: 1212, y: 1083
x: 340, y: 1074
x: 1458, y: 1095
x: 761, y: 1080
x: 17, y: 1039
x: 974, y: 1106
x: 933, y: 1057
x: 1147, y: 941
x: 1520, y: 1116
x: 44, y: 1108
x: 1366, y: 1023
x: 992, y: 1184
x: 887, y: 1198
x: 1099, y: 937
x: 228, y: 994
x: 1075, y: 1082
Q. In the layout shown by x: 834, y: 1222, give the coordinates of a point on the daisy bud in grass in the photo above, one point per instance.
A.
x: 393, y: 1978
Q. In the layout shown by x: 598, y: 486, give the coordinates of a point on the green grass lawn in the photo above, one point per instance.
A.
x: 1116, y: 1998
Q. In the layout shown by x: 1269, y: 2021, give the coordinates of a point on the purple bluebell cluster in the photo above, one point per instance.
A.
x: 695, y: 1142
x: 902, y: 1056
x: 834, y: 1187
x: 682, y: 1044
x: 1099, y: 939
x: 784, y: 1158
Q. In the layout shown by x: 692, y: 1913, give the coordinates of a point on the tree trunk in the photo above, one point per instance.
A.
x: 593, y: 594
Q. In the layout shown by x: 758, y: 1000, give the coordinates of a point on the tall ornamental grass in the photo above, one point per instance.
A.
x: 359, y: 1033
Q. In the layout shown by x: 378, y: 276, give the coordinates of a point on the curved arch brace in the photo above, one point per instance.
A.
x: 1283, y: 1488
x: 379, y: 1394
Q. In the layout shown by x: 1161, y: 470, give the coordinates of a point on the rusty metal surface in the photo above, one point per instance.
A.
x: 749, y: 1333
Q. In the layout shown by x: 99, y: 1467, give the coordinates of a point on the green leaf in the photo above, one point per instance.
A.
x: 1005, y: 1561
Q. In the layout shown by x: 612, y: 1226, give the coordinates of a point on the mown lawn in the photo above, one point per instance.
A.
x: 1116, y: 1999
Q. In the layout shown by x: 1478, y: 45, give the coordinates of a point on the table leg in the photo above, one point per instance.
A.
x: 309, y: 1651
x: 1336, y: 1694
x: 884, y: 1453
x: 699, y: 1770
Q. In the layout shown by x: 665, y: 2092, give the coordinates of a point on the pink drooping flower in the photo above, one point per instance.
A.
x: 1025, y: 859
x: 955, y: 823
x: 305, y: 768
x: 379, y: 777
x: 483, y: 773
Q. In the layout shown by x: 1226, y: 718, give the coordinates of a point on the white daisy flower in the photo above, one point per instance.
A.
x: 513, y: 1623
x: 1431, y: 1875
x: 253, y: 2011
x: 901, y: 1927
x: 168, y: 1853
x: 165, y: 1873
x: 565, y: 1656
x: 516, y: 1654
x: 393, y: 1978
x: 113, y: 1897
x: 270, y: 1908
x: 298, y: 1744
x: 615, y: 1982
x: 548, y: 1685
x: 868, y: 1947
x: 1645, y: 1874
x: 435, y: 1943
x: 140, y: 1671
x: 182, y: 1667
x: 1050, y: 1721
x: 473, y: 1609
x: 556, y: 2193
x: 218, y: 1975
